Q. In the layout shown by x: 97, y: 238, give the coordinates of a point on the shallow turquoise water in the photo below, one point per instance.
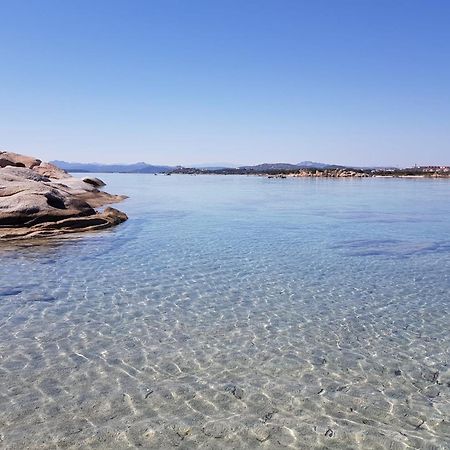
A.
x: 235, y: 312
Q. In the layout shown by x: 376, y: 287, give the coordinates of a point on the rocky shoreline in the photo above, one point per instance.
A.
x: 37, y: 199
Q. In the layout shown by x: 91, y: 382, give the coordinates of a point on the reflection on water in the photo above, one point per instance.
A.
x: 235, y: 312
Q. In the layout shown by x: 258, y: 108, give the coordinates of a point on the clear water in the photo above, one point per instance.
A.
x: 235, y: 312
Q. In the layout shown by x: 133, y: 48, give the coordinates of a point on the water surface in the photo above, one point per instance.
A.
x: 235, y: 312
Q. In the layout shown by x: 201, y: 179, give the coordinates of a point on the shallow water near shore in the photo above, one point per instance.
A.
x: 235, y: 312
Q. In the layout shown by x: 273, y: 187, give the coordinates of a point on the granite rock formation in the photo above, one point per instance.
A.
x: 38, y: 199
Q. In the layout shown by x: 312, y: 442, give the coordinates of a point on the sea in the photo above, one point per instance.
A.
x: 234, y: 312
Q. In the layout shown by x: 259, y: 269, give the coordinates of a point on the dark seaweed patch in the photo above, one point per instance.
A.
x: 7, y: 291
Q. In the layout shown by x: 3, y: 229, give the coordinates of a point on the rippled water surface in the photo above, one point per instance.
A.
x: 235, y: 312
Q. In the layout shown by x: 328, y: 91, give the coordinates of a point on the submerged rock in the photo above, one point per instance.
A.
x: 235, y: 390
x: 39, y: 199
x: 7, y: 291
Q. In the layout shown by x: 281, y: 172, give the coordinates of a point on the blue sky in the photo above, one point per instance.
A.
x: 363, y: 82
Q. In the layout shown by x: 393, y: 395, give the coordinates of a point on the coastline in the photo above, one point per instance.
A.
x: 321, y: 173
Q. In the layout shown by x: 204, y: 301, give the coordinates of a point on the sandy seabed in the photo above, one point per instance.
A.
x: 192, y: 330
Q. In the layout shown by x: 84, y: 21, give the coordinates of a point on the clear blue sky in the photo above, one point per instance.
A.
x: 359, y: 82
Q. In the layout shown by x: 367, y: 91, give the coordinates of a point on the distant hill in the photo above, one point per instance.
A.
x: 315, y: 165
x: 270, y: 166
x: 139, y: 167
x: 288, y: 166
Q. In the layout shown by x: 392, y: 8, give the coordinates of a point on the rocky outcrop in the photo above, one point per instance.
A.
x: 96, y: 182
x: 16, y: 160
x: 38, y: 199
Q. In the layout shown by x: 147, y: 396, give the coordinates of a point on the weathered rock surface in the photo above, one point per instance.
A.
x: 14, y: 159
x: 51, y: 171
x: 94, y: 181
x: 38, y: 199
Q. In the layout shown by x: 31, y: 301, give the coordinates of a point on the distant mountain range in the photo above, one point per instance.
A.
x: 139, y: 167
x: 142, y: 167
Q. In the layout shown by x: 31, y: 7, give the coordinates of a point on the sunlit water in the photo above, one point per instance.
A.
x: 235, y: 312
